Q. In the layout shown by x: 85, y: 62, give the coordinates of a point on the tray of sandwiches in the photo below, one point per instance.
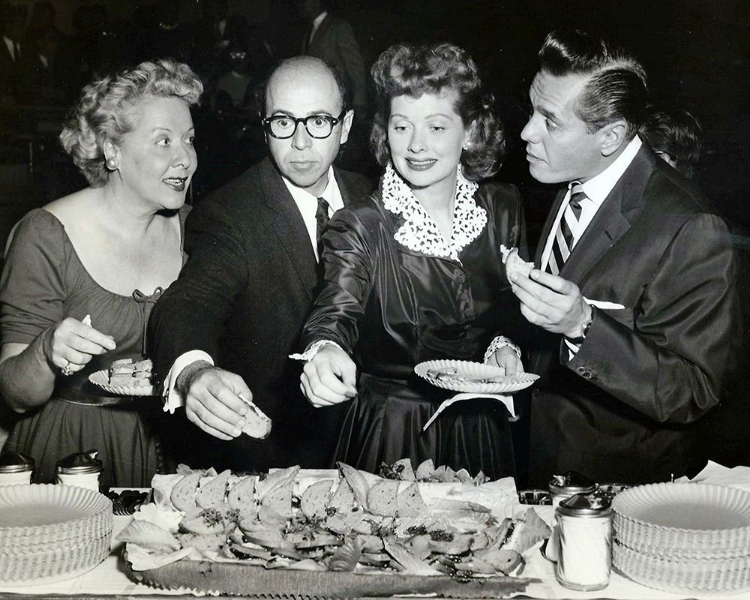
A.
x: 126, y: 377
x: 333, y: 533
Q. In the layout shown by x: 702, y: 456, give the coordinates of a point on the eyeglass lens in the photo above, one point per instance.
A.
x: 318, y: 126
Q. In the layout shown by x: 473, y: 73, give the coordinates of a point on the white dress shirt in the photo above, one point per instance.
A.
x: 315, y: 24
x: 308, y: 204
x: 596, y: 189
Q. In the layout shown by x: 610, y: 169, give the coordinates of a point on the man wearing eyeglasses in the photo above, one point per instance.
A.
x: 223, y: 331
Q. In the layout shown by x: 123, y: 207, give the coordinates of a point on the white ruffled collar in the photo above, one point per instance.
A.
x: 419, y: 232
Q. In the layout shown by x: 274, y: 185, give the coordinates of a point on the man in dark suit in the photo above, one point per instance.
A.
x: 332, y: 39
x: 634, y: 291
x: 229, y: 323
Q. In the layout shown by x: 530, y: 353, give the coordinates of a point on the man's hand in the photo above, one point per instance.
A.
x: 213, y: 402
x: 551, y: 302
x: 330, y: 377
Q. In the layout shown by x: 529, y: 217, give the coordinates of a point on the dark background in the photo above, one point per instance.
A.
x: 695, y: 52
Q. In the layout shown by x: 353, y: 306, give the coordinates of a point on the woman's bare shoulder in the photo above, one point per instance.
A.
x: 70, y: 208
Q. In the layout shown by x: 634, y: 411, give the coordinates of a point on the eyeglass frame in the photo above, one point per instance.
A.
x: 266, y: 122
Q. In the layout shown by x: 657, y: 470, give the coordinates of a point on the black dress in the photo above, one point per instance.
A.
x: 393, y: 304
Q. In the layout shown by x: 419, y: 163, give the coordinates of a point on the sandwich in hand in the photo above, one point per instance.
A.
x: 514, y: 264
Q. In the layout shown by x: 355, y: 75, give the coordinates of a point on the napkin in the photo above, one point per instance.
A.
x: 603, y: 304
x: 507, y: 400
x: 716, y: 474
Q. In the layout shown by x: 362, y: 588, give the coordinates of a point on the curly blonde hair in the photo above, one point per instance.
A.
x: 431, y: 69
x: 107, y: 110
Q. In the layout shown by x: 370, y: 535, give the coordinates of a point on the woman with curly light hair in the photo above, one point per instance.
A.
x: 82, y: 273
x: 415, y: 274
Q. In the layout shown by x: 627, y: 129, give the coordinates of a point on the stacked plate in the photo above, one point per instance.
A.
x: 683, y: 537
x: 51, y: 532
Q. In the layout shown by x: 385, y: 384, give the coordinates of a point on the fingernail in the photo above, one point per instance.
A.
x: 514, y: 277
x: 243, y: 411
x: 241, y: 423
x: 236, y: 432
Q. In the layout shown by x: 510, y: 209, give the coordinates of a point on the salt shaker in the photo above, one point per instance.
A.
x: 82, y: 469
x: 584, y: 527
x: 569, y: 484
x: 16, y: 468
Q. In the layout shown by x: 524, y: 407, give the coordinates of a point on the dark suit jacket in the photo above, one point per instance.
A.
x: 335, y: 43
x: 10, y: 72
x: 623, y: 409
x: 243, y: 297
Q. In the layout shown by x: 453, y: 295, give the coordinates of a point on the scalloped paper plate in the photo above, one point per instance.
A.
x: 467, y: 376
x: 101, y: 378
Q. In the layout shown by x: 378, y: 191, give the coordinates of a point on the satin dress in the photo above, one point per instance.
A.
x: 391, y: 307
x: 43, y: 282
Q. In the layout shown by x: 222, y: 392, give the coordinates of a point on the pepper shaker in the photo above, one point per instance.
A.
x: 584, y: 528
x: 16, y: 468
x: 82, y: 469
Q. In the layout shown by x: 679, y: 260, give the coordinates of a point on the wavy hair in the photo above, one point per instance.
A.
x: 108, y: 110
x: 431, y: 69
x: 617, y: 87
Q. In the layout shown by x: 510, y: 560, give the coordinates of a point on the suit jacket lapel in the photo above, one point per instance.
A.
x: 619, y: 209
x: 289, y: 225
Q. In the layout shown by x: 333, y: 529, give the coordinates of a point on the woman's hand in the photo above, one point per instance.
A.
x: 506, y: 358
x: 330, y: 377
x: 71, y: 344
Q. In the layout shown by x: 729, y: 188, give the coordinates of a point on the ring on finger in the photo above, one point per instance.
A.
x: 67, y: 370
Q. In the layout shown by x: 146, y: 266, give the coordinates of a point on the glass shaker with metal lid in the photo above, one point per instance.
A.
x: 569, y: 484
x: 16, y: 468
x: 584, y: 528
x: 82, y: 469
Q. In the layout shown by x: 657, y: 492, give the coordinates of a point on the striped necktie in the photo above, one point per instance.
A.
x: 321, y: 221
x: 562, y: 245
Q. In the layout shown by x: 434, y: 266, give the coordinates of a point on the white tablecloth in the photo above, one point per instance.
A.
x: 109, y: 578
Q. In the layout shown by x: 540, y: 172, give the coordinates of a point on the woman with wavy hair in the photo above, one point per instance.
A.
x: 414, y: 273
x: 82, y: 273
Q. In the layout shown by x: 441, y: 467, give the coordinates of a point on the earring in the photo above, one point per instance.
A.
x: 111, y: 164
x: 466, y: 147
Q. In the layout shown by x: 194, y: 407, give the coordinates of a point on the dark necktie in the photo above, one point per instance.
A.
x: 562, y: 245
x: 321, y: 221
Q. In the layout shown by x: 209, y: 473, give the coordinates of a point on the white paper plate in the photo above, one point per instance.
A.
x: 683, y: 516
x: 680, y: 575
x: 467, y: 376
x: 101, y: 378
x: 42, y: 515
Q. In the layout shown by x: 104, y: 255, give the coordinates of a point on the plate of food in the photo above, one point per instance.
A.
x: 125, y: 377
x: 468, y: 376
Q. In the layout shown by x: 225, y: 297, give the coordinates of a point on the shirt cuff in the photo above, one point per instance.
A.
x: 172, y: 399
x: 312, y: 350
x: 500, y: 342
x: 572, y: 348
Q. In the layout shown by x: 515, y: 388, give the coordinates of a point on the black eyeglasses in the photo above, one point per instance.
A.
x: 285, y: 126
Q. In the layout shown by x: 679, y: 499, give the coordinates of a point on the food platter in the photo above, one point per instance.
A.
x: 468, y: 376
x: 101, y: 379
x: 348, y: 534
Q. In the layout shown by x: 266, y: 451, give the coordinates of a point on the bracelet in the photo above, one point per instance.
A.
x: 312, y: 350
x: 500, y: 342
